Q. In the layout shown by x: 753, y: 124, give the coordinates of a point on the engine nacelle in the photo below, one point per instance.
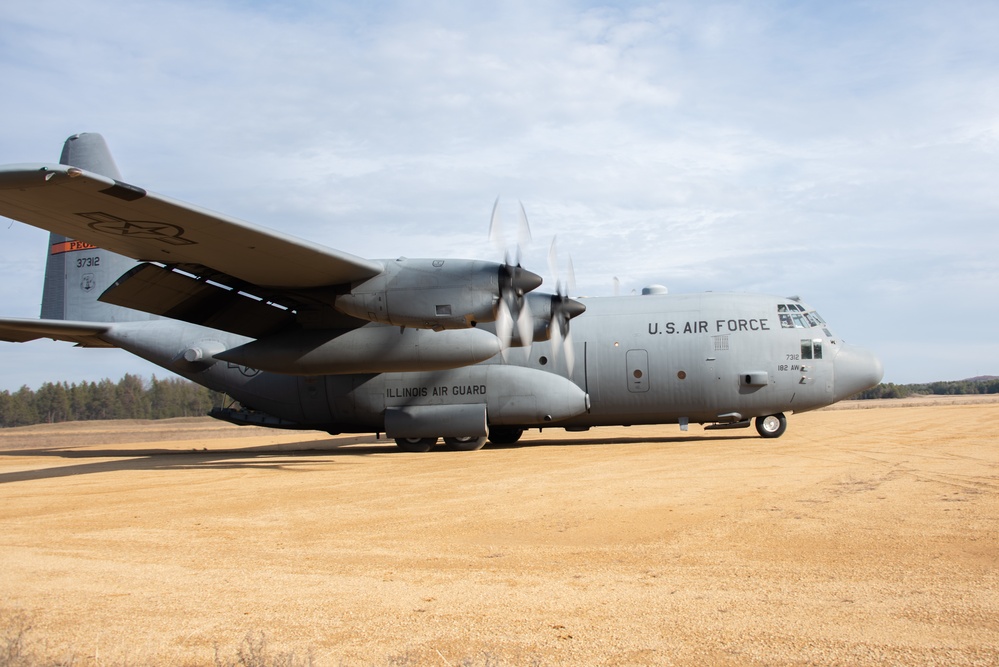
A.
x: 544, y: 308
x: 434, y: 293
x: 541, y: 318
x: 369, y: 349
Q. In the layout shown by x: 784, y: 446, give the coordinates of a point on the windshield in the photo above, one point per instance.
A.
x: 794, y: 316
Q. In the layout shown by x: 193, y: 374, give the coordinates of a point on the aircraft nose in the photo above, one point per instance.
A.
x: 854, y: 370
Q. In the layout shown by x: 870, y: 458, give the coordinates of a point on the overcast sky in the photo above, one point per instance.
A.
x: 847, y: 152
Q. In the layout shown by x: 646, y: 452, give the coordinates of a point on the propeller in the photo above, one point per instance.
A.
x: 514, y: 282
x: 517, y: 321
x: 563, y: 309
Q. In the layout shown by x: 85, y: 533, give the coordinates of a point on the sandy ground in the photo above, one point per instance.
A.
x: 861, y: 537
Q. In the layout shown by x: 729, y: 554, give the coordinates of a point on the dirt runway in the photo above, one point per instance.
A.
x: 861, y: 537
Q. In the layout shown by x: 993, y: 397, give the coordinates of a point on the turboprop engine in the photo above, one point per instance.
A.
x: 548, y: 315
x: 370, y: 349
x: 436, y: 293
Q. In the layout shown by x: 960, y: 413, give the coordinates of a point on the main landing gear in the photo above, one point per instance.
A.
x: 768, y: 426
x: 771, y: 426
x: 415, y: 444
x: 468, y: 443
x: 460, y: 444
x: 505, y: 436
x: 498, y: 435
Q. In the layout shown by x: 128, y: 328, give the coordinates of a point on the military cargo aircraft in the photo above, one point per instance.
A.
x: 303, y: 336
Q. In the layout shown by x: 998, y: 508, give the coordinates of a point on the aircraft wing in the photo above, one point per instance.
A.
x: 84, y: 334
x: 143, y: 225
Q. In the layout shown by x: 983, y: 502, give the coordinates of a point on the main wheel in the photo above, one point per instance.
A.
x: 415, y: 444
x: 504, y: 435
x: 467, y: 443
x: 771, y: 426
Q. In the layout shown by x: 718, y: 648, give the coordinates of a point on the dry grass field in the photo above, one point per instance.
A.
x: 862, y: 537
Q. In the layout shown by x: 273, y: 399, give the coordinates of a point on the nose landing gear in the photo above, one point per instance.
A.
x: 771, y: 426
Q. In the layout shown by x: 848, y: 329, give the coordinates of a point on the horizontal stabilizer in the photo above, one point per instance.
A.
x: 84, y: 334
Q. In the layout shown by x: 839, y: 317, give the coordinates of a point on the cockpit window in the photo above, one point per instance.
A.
x: 794, y: 316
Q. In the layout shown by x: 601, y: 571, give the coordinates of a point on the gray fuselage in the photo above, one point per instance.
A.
x: 702, y: 358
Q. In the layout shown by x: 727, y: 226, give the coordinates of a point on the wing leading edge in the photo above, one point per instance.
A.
x: 130, y: 221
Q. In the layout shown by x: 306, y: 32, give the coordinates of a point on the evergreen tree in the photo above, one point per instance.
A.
x: 131, y: 401
x: 102, y: 400
x: 52, y: 403
x: 19, y: 409
x: 79, y: 398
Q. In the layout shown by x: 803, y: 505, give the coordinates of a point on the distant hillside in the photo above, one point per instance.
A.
x: 983, y: 384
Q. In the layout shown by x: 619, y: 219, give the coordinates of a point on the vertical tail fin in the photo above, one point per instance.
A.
x: 77, y: 273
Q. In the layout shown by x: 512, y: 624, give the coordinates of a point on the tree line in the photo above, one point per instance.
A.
x: 133, y: 398
x: 988, y: 385
x: 129, y: 398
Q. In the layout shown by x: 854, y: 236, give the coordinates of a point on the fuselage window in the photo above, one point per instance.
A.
x: 811, y: 348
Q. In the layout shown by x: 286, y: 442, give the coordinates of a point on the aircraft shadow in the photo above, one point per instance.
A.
x: 594, y: 441
x: 287, y: 457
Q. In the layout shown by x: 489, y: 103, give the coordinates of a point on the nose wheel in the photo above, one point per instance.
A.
x: 771, y: 426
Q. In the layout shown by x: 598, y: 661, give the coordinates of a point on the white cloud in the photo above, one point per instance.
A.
x: 843, y: 151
